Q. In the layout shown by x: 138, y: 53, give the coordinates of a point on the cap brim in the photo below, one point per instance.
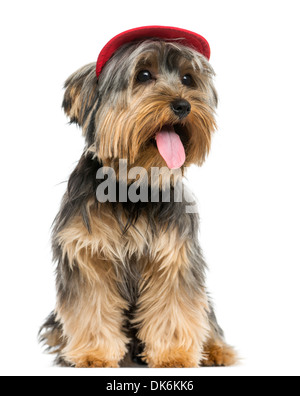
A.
x: 186, y: 37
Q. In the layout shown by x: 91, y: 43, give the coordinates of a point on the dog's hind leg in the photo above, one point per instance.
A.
x: 216, y: 351
x: 51, y: 335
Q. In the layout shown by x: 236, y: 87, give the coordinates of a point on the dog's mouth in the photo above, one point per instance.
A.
x: 171, y: 141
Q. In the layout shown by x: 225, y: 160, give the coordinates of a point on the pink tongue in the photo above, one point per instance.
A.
x: 170, y: 147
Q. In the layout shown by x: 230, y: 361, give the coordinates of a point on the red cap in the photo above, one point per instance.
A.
x: 190, y: 39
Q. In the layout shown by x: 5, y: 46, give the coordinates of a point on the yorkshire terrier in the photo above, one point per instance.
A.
x: 131, y: 275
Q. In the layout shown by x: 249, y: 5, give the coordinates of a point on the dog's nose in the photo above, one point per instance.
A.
x: 181, y: 108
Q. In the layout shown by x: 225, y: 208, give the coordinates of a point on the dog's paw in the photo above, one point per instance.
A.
x: 175, y: 364
x: 175, y: 358
x: 91, y: 362
x: 219, y: 354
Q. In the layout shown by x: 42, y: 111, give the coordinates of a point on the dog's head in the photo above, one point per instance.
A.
x: 153, y: 105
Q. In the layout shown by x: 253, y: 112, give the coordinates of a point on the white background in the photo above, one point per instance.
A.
x: 248, y: 190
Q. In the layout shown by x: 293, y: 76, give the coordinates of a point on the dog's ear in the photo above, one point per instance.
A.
x: 81, y: 94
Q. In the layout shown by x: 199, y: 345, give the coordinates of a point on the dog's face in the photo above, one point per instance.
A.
x: 153, y: 105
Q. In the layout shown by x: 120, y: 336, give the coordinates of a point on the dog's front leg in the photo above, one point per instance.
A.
x: 89, y: 305
x: 172, y: 308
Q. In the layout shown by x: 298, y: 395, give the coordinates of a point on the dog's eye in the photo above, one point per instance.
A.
x: 187, y: 80
x: 144, y: 76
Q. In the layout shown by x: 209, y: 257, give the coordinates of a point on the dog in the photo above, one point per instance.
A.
x: 130, y: 276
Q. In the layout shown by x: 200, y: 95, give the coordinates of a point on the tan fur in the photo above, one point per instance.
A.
x: 77, y: 96
x: 218, y: 353
x: 106, y: 241
x: 55, y: 340
x: 170, y: 318
x: 140, y: 128
x: 172, y: 312
x: 124, y: 130
x: 175, y: 357
x: 93, y: 324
